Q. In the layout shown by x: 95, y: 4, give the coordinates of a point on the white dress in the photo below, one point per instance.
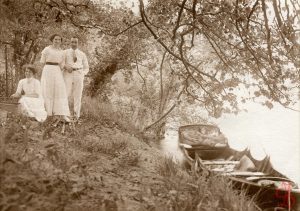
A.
x: 52, y: 81
x: 31, y: 106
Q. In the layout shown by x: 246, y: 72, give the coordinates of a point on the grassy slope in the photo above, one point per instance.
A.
x: 99, y: 167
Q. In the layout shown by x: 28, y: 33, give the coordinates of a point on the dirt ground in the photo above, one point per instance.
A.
x: 92, y: 166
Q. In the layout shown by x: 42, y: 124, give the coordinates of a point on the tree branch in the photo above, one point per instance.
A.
x: 178, y: 19
x: 143, y: 15
x: 251, y: 12
x: 161, y: 82
x: 138, y: 71
x: 167, y: 113
x: 264, y: 9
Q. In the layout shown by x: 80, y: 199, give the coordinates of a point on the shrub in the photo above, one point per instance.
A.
x: 104, y: 112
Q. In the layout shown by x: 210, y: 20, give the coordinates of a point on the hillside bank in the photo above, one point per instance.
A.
x: 99, y: 166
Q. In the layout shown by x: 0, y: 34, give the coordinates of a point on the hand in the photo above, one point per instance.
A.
x: 69, y: 69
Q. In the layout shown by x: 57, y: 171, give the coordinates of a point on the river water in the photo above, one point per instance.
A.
x: 265, y: 131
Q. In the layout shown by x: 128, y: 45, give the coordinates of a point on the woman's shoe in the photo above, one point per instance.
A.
x: 56, y: 122
x: 66, y: 119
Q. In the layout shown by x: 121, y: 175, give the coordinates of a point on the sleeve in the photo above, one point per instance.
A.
x: 67, y: 63
x: 85, y: 64
x: 19, y: 88
x: 63, y: 61
x: 38, y: 89
x: 44, y: 55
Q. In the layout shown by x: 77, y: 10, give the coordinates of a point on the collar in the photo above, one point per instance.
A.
x: 29, y: 79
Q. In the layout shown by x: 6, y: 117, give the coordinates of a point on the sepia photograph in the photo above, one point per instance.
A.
x: 149, y: 105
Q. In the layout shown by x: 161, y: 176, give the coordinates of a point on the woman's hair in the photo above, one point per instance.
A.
x: 31, y: 68
x: 53, y: 36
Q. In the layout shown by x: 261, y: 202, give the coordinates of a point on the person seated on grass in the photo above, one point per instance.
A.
x: 29, y: 92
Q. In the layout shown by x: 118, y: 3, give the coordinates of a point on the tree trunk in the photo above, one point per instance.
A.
x: 6, y: 71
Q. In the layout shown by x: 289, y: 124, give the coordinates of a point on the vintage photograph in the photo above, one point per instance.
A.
x: 149, y: 105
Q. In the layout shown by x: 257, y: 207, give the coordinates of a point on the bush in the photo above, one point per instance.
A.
x: 93, y: 108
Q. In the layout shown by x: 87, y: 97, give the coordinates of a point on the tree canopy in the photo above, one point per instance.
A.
x: 256, y: 39
x: 204, y: 51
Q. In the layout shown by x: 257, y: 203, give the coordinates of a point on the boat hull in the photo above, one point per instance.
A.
x: 266, y: 197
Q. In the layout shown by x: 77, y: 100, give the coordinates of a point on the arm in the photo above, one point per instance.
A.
x: 38, y: 89
x: 19, y: 90
x: 63, y: 62
x: 32, y: 95
x: 67, y: 66
x: 85, y: 64
x: 43, y: 56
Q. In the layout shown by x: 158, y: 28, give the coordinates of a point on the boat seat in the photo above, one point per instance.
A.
x: 245, y: 173
x: 187, y: 146
x: 219, y: 162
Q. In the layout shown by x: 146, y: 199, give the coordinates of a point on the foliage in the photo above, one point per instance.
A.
x: 27, y: 26
x: 172, y: 55
x: 257, y: 39
x: 96, y: 110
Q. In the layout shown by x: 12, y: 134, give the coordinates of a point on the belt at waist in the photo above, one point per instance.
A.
x: 75, y: 69
x: 52, y: 63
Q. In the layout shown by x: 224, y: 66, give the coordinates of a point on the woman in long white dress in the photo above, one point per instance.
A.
x: 31, y: 101
x: 52, y: 81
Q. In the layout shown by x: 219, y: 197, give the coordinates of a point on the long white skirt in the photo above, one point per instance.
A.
x: 33, y: 107
x: 54, y: 91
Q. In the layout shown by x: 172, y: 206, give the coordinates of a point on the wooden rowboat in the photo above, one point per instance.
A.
x: 270, y: 189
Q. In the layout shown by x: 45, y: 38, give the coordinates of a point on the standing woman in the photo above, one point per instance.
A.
x: 52, y: 81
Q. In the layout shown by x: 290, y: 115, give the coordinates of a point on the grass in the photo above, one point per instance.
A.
x: 129, y: 158
x: 109, y: 147
x: 167, y: 167
x: 94, y: 109
x: 21, y: 187
x: 188, y: 192
x: 181, y: 190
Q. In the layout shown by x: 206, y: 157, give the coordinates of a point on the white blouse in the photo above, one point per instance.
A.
x: 50, y: 54
x: 29, y: 86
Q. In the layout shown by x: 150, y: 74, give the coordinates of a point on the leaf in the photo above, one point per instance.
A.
x: 257, y: 93
x: 49, y: 145
x: 269, y: 104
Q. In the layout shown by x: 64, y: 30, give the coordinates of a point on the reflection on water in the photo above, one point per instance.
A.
x: 170, y: 147
x: 274, y: 132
